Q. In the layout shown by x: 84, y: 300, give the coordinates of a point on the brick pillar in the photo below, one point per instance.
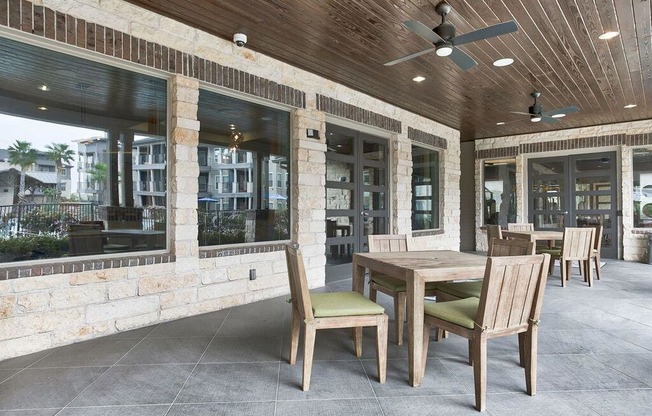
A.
x: 309, y: 192
x: 184, y: 170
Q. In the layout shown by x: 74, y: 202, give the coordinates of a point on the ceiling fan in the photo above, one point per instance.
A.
x: 445, y: 41
x: 537, y: 114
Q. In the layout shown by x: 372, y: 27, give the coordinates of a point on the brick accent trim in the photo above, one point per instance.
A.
x: 41, y: 21
x: 640, y: 139
x: 206, y: 253
x: 71, y: 266
x: 358, y: 114
x: 427, y: 138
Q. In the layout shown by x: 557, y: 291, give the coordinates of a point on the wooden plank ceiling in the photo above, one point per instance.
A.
x: 556, y: 51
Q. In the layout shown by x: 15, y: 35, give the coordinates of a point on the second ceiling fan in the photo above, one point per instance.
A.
x: 536, y: 113
x: 445, y: 41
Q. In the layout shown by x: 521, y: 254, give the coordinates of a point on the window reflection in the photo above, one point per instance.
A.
x: 500, y: 192
x: 642, y: 188
x: 246, y: 196
x: 425, y: 188
x: 82, y: 170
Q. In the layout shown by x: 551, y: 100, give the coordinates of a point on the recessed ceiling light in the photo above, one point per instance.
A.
x: 630, y: 106
x: 44, y: 87
x: 608, y: 35
x: 504, y: 62
x: 500, y: 123
x: 42, y: 108
x: 419, y: 79
x: 560, y: 115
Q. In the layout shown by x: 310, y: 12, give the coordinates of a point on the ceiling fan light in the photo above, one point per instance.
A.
x: 503, y: 62
x: 608, y: 35
x: 560, y: 115
x: 535, y: 119
x: 444, y: 50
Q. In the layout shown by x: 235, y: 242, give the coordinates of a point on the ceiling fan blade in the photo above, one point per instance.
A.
x: 548, y: 119
x: 485, y: 33
x: 564, y: 110
x: 462, y: 60
x: 423, y: 31
x: 408, y: 57
x: 520, y: 112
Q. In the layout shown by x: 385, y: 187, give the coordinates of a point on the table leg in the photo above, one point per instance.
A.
x: 415, y: 295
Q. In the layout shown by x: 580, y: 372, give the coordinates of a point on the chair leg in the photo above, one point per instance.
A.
x: 596, y: 259
x: 308, y: 351
x: 531, y: 360
x: 400, y: 303
x: 294, y: 337
x: 562, y: 266
x: 588, y: 269
x: 373, y: 293
x: 357, y: 341
x: 522, y: 345
x: 470, y: 352
x: 479, y: 346
x: 381, y: 348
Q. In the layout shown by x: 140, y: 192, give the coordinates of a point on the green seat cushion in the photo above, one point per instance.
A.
x: 343, y: 304
x: 460, y: 312
x: 462, y: 289
x: 554, y: 252
x: 396, y: 285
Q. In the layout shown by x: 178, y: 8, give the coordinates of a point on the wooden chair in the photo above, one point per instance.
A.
x: 577, y: 245
x: 391, y: 286
x: 493, y: 231
x: 327, y: 311
x: 461, y: 290
x: 515, y: 226
x: 510, y: 303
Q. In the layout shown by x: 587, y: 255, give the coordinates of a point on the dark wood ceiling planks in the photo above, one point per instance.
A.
x: 556, y: 51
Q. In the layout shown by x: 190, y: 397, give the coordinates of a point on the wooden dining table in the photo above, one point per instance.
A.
x: 536, y: 235
x: 416, y: 268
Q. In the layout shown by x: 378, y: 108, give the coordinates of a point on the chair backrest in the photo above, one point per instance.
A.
x: 578, y: 243
x: 385, y: 243
x: 512, y: 292
x: 298, y: 281
x: 597, y: 241
x: 516, y: 247
x: 85, y: 239
x: 493, y: 231
x: 515, y: 226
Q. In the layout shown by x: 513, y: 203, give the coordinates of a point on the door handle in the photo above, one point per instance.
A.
x: 364, y: 214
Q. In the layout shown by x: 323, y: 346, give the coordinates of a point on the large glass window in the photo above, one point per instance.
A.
x: 642, y: 187
x: 425, y: 188
x: 82, y: 159
x: 500, y: 192
x: 251, y: 148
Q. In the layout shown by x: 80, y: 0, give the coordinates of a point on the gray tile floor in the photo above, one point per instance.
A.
x: 595, y: 358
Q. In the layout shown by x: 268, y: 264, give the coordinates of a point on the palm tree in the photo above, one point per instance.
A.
x: 22, y: 154
x: 99, y: 173
x: 61, y: 154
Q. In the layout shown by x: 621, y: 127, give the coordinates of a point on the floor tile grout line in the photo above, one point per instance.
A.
x: 105, y: 371
x: 198, y: 361
x: 20, y: 370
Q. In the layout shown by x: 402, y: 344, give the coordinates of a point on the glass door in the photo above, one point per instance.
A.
x: 575, y: 191
x: 356, y: 195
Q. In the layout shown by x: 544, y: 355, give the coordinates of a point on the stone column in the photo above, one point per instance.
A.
x: 183, y: 167
x: 401, y: 189
x: 308, y: 194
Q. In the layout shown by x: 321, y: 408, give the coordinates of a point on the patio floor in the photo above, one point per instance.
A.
x: 595, y: 358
